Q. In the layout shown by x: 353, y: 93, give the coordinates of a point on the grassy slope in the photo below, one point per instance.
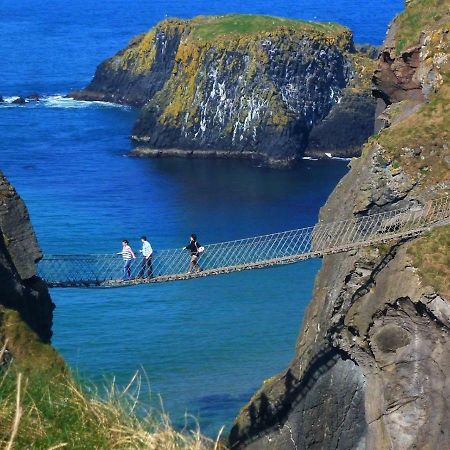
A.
x: 57, y: 413
x: 220, y: 30
x: 431, y: 255
x: 427, y: 131
x: 419, y: 145
x: 236, y: 25
x: 419, y: 16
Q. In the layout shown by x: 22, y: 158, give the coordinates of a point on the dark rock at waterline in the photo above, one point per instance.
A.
x: 2, y: 100
x: 33, y: 97
x: 343, y: 132
x: 19, y: 101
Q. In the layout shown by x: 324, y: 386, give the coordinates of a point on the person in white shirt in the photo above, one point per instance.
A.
x: 147, y: 252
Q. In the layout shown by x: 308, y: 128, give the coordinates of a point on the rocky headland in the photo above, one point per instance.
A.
x: 372, y: 361
x: 21, y: 290
x: 240, y: 86
x: 26, y: 309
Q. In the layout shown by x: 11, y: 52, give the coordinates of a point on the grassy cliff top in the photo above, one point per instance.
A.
x: 431, y: 255
x: 427, y: 131
x: 418, y: 16
x: 237, y: 25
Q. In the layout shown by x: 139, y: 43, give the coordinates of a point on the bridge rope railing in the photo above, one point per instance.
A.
x: 254, y: 252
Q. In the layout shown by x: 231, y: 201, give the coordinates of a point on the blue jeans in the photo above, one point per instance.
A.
x: 126, y: 269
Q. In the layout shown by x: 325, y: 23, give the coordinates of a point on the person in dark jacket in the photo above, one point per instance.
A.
x: 194, y: 247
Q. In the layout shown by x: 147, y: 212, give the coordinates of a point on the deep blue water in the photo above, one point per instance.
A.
x: 206, y: 344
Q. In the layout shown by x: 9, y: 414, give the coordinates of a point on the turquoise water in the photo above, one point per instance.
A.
x: 205, y: 344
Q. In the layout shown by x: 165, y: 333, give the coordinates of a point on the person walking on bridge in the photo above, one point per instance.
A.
x: 195, y: 248
x: 127, y: 255
x: 147, y: 252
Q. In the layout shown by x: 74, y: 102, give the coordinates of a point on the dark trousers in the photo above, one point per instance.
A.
x: 146, y: 268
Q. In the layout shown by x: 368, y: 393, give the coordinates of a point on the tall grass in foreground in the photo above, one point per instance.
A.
x: 41, y: 412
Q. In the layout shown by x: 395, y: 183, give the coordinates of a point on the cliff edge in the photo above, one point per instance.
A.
x: 373, y: 356
x: 26, y: 309
x: 241, y: 86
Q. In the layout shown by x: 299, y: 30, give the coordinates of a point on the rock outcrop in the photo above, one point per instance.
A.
x: 373, y: 356
x: 339, y: 134
x: 239, y: 86
x: 20, y: 288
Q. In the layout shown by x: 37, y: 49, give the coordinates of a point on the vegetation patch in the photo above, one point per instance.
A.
x: 39, y: 412
x: 29, y: 352
x: 363, y: 67
x: 42, y: 407
x: 420, y: 143
x: 431, y: 256
x: 235, y: 25
x: 418, y: 16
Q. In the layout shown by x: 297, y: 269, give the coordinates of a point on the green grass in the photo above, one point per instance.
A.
x: 419, y: 15
x: 42, y: 407
x: 212, y: 27
x: 57, y: 413
x: 431, y: 256
x: 427, y: 130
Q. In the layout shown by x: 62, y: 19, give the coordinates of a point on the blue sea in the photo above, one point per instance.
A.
x: 205, y: 345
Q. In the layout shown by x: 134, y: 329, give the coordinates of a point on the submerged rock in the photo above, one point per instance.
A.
x: 33, y: 97
x: 19, y: 101
x: 232, y: 86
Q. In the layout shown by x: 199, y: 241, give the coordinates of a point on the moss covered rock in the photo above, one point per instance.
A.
x: 243, y: 85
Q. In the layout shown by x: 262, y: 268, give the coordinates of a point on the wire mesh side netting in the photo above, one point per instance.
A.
x: 258, y: 251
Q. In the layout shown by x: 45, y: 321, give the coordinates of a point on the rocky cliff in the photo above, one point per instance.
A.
x: 373, y: 356
x: 240, y: 86
x: 26, y: 309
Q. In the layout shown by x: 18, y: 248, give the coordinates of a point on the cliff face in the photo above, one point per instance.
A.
x: 372, y: 359
x: 20, y: 289
x: 237, y: 86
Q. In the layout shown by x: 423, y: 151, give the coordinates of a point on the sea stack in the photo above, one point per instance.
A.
x: 239, y: 86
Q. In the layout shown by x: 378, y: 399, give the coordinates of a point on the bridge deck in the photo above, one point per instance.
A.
x: 252, y: 253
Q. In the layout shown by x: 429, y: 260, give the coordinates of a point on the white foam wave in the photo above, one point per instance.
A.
x: 337, y: 157
x: 9, y: 99
x: 309, y: 158
x: 59, y: 101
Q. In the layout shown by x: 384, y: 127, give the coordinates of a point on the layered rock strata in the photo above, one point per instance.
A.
x: 239, y: 86
x: 372, y: 359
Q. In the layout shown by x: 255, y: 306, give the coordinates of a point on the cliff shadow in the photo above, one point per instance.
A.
x: 266, y: 416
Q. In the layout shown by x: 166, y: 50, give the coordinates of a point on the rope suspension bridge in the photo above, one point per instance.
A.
x: 252, y: 253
